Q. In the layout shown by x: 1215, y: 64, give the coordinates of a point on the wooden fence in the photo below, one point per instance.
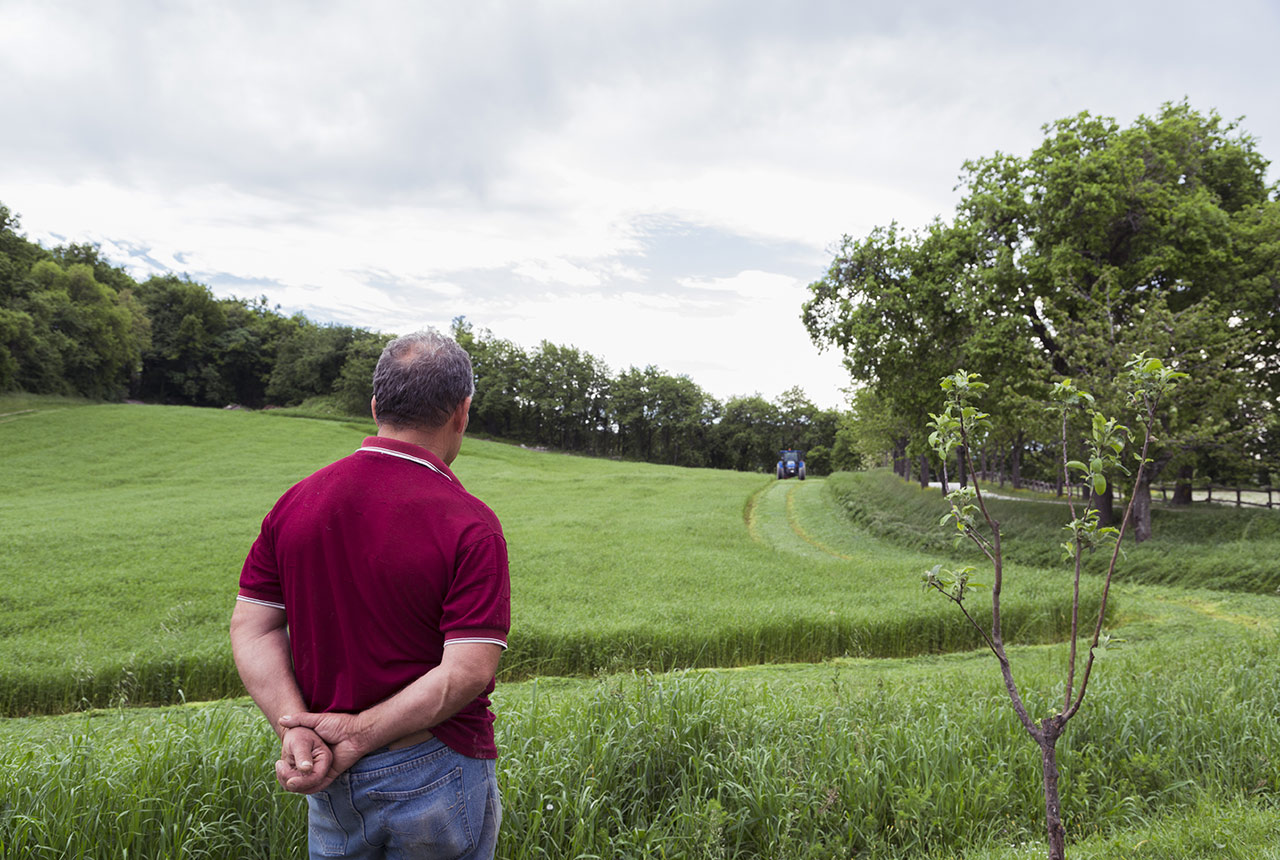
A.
x: 995, y: 479
x: 1256, y: 497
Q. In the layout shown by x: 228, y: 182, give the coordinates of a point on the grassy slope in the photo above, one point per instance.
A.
x: 126, y: 527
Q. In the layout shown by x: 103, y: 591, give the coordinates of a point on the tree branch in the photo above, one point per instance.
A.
x: 1115, y: 555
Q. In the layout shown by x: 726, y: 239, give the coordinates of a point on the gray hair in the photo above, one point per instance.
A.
x: 421, y: 378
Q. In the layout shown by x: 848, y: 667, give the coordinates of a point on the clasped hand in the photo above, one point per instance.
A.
x: 315, y: 750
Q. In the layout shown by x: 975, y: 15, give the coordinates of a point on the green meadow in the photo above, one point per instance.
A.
x: 704, y: 664
x: 125, y: 529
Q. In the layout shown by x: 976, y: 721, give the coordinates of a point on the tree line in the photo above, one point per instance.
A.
x: 1160, y: 238
x: 566, y: 398
x: 72, y: 323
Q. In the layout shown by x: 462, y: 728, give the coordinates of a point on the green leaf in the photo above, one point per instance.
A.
x: 1099, y: 484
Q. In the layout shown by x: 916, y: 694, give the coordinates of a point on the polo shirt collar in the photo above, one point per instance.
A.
x: 407, y: 449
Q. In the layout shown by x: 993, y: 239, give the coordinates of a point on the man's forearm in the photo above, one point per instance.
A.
x: 261, y: 653
x: 462, y: 675
x: 427, y: 702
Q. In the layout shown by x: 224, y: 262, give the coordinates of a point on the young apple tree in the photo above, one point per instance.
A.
x: 958, y: 426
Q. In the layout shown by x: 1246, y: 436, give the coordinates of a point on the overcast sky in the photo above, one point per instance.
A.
x: 653, y: 182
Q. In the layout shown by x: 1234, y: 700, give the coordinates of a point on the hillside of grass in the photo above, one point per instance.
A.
x: 1201, y: 546
x: 126, y: 526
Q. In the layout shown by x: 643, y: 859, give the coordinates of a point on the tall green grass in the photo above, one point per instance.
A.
x: 1203, y: 546
x: 125, y: 527
x: 873, y: 759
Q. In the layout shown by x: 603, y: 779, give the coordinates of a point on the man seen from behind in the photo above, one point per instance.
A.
x: 372, y: 612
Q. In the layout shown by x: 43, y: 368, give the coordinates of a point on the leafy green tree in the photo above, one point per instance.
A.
x: 685, y: 416
x: 567, y: 391
x: 90, y: 255
x: 309, y: 361
x: 15, y: 249
x: 70, y: 334
x: 891, y: 304
x: 633, y: 411
x: 1164, y: 236
x: 869, y: 433
x: 500, y: 368
x: 247, y: 348
x: 353, y: 389
x: 182, y: 363
x: 1109, y: 241
x: 68, y: 321
x: 749, y: 434
x: 101, y: 346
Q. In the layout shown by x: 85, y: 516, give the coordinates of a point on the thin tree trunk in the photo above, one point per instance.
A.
x: 1017, y: 461
x: 1182, y: 490
x: 961, y: 476
x: 1054, y: 830
x: 1142, y: 510
x: 924, y: 470
x: 1104, y: 503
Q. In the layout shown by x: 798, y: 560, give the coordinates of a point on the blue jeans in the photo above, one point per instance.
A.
x: 423, y: 801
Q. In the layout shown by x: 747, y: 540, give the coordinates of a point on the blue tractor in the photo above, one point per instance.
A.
x: 790, y: 464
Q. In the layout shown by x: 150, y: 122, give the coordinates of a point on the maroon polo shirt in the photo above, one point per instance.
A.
x: 381, y: 560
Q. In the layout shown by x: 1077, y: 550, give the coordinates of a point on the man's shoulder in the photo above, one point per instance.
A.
x: 480, y: 512
x: 317, y: 479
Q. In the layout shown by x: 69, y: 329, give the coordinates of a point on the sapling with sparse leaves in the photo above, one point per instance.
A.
x: 960, y: 425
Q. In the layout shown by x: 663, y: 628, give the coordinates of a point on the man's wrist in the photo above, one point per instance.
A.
x: 361, y: 733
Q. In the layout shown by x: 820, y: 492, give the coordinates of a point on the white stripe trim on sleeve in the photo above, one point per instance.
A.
x: 479, y: 639
x: 259, y: 602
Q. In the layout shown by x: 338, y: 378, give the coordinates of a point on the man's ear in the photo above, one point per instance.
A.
x: 373, y: 408
x: 462, y: 415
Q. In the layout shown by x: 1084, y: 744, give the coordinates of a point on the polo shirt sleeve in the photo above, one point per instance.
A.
x: 477, y: 607
x: 260, y: 576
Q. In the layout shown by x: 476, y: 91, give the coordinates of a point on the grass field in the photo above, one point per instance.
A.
x: 124, y: 527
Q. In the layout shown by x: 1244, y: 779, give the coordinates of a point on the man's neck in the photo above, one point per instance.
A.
x: 438, y: 442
